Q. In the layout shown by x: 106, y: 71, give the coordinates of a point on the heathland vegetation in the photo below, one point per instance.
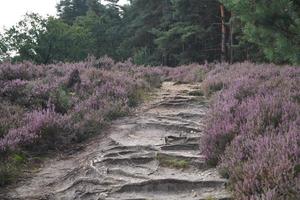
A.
x: 252, y: 130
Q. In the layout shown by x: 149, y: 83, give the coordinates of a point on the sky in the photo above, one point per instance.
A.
x: 11, y: 11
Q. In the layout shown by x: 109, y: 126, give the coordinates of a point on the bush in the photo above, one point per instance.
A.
x: 188, y: 74
x: 11, y: 119
x: 46, y: 128
x: 264, y: 167
x: 137, y: 96
x: 14, y: 91
x: 10, y: 167
x: 252, y: 130
x: 23, y: 71
x: 60, y: 98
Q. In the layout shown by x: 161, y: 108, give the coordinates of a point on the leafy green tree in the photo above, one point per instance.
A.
x: 63, y: 42
x: 100, y: 22
x: 273, y: 26
x: 104, y: 29
x: 23, y: 37
x: 3, y: 49
x: 47, y: 40
x: 69, y: 10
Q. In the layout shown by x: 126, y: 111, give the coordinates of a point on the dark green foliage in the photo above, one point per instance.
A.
x: 272, y: 26
x: 62, y: 42
x: 69, y: 10
x: 23, y: 37
x: 10, y: 167
x: 47, y: 40
x: 60, y: 98
x: 172, y: 32
x: 3, y: 49
x: 192, y: 35
x: 151, y: 32
x: 135, y: 97
x: 159, y: 32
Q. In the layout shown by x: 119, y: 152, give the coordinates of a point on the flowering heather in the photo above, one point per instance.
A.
x: 83, y: 96
x: 39, y: 125
x: 11, y: 118
x: 24, y: 71
x: 188, y: 74
x: 12, y: 90
x: 253, y: 129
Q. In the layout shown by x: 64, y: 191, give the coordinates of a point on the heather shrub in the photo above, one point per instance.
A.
x: 117, y: 109
x: 14, y: 90
x: 137, y: 96
x: 252, y: 129
x: 11, y: 117
x: 104, y: 62
x: 46, y: 128
x: 264, y: 166
x: 87, y: 124
x: 10, y: 167
x: 23, y: 71
x: 188, y: 74
x: 61, y: 100
x: 153, y: 78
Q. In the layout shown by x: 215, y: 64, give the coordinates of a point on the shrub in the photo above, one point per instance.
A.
x: 14, y: 91
x: 60, y: 98
x: 153, y: 76
x: 87, y: 124
x: 136, y: 96
x: 264, y: 166
x: 11, y: 119
x: 252, y: 130
x: 188, y: 74
x: 23, y: 71
x: 46, y: 127
x: 10, y: 167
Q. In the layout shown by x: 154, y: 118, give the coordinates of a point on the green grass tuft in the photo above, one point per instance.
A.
x: 165, y: 161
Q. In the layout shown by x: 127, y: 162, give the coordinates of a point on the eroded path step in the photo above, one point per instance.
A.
x: 153, y: 155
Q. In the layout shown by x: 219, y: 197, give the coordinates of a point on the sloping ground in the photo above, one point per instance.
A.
x: 152, y: 155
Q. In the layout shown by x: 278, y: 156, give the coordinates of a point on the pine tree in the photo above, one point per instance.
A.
x: 273, y: 26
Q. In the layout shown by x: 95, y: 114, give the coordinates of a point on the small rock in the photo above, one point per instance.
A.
x: 103, y: 195
x: 194, y: 194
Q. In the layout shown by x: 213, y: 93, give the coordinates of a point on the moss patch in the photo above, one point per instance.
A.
x: 166, y: 161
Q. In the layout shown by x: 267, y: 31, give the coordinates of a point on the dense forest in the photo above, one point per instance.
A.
x: 159, y: 32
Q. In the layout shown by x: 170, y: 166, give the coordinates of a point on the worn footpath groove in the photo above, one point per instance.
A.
x: 153, y: 155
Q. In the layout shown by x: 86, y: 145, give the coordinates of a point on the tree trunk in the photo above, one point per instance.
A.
x: 231, y: 38
x: 223, y: 43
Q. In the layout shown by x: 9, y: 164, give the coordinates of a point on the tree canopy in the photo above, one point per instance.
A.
x: 274, y: 26
x: 159, y: 32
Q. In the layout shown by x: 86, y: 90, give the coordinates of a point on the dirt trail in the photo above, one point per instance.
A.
x: 152, y: 155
